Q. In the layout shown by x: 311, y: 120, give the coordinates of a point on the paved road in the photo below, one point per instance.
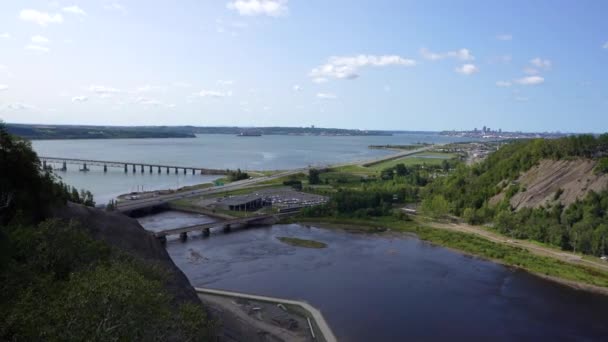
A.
x: 161, y: 199
x: 147, y: 202
x: 316, y: 314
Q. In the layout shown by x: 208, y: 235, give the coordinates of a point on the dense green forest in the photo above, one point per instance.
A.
x: 457, y: 190
x: 58, y: 283
x: 582, y: 227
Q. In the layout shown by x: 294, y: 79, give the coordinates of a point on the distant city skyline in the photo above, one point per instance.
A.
x: 382, y: 65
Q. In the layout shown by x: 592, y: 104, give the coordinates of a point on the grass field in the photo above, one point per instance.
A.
x: 429, y: 158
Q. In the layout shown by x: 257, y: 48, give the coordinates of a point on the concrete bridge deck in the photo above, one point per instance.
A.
x: 126, y: 164
x: 204, y: 226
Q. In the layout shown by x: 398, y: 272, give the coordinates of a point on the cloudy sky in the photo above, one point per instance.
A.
x: 411, y: 65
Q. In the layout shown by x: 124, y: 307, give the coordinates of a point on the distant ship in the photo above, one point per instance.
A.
x: 249, y: 134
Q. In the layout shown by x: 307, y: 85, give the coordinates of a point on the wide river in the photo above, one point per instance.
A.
x: 217, y: 151
x: 387, y: 287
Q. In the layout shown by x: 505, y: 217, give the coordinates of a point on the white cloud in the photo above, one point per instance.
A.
x: 225, y: 82
x: 467, y: 69
x: 326, y: 96
x: 214, y: 93
x: 79, y: 99
x: 531, y: 71
x: 461, y: 54
x: 3, y: 87
x: 17, y: 106
x: 74, y: 10
x: 5, y: 35
x: 605, y: 46
x: 272, y: 8
x: 347, y: 67
x: 103, y: 90
x: 504, y: 37
x: 40, y: 18
x: 115, y: 6
x: 531, y: 80
x: 541, y: 63
x: 503, y: 84
x: 297, y: 87
x: 38, y: 39
x: 149, y: 88
x: 38, y: 48
x: 147, y: 101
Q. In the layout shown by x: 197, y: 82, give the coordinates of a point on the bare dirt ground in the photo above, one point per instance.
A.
x: 249, y: 320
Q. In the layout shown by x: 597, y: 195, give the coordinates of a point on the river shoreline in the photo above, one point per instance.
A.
x: 369, y: 229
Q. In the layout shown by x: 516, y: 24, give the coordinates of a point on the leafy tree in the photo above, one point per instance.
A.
x: 313, y: 176
x: 436, y: 206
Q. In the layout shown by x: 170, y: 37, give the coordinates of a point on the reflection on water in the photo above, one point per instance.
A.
x: 387, y: 288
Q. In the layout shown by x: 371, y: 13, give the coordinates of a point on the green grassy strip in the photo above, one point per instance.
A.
x: 301, y: 242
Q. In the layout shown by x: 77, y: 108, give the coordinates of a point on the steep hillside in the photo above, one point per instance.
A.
x: 563, y: 181
x: 127, y: 235
x: 557, y: 191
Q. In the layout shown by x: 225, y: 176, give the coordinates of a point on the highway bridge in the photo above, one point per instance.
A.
x: 151, y: 167
x: 159, y: 200
x: 127, y: 206
x: 205, y: 228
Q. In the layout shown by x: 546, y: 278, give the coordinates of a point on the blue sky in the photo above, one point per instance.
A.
x: 410, y: 65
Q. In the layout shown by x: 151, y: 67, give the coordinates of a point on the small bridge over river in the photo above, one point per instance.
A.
x: 134, y: 166
x: 205, y: 228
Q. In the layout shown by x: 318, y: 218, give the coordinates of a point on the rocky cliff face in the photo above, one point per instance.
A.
x: 539, y: 185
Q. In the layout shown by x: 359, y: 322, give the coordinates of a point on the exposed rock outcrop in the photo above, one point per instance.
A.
x: 539, y: 185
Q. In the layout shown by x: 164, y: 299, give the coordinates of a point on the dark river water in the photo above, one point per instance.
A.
x: 387, y: 287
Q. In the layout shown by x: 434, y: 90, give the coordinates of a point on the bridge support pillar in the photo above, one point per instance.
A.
x: 185, y: 171
x: 105, y: 168
x: 193, y: 172
x: 183, y: 236
x: 142, y: 168
x: 159, y: 169
x: 175, y: 170
x: 150, y: 168
x: 134, y: 170
x: 162, y: 239
x: 64, y: 167
x: 167, y: 170
x: 226, y: 228
x: 206, y: 232
x: 126, y: 168
x: 84, y: 167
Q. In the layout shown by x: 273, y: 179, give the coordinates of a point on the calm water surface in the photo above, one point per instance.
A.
x: 219, y: 151
x: 387, y: 288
